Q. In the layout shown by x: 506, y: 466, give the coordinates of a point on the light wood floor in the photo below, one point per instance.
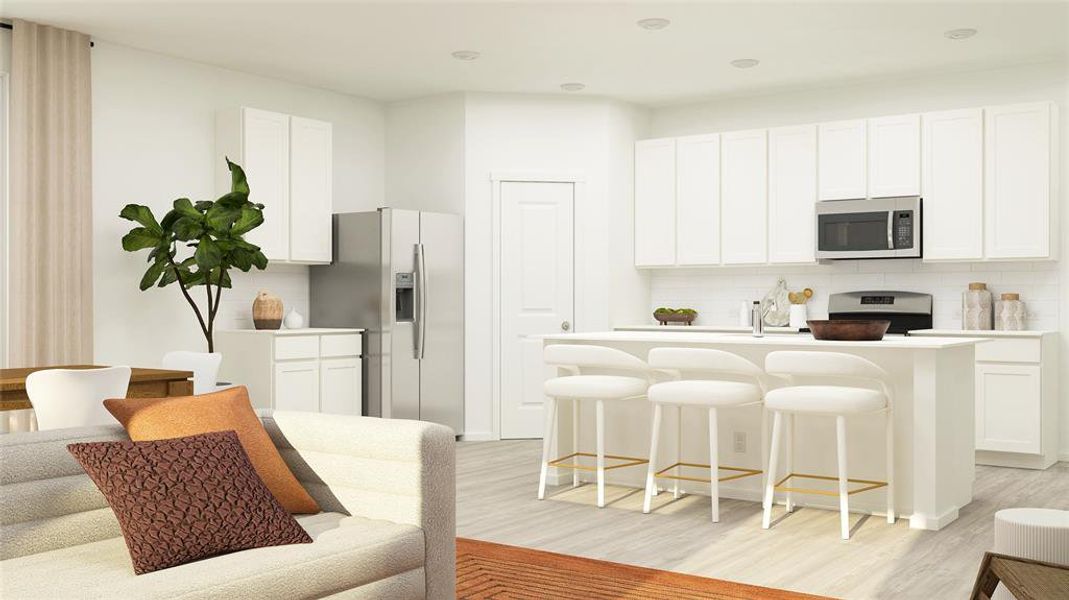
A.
x: 497, y: 483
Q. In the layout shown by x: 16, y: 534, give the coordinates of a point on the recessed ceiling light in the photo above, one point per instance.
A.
x: 745, y: 63
x: 573, y: 87
x: 466, y: 55
x: 960, y: 34
x: 654, y: 24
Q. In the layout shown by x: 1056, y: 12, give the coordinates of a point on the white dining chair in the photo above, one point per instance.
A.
x: 64, y: 398
x: 205, y: 367
x: 869, y: 392
x: 706, y: 379
x: 577, y: 360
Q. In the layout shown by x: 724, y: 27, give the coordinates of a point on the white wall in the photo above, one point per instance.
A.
x: 425, y: 154
x: 1044, y: 286
x: 555, y: 135
x: 154, y: 141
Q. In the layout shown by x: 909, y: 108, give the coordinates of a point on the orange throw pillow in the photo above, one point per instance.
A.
x: 149, y: 419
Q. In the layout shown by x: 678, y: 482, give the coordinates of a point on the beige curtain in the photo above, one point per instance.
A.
x: 50, y: 207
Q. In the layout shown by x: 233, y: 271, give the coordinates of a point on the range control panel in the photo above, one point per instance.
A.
x: 903, y: 228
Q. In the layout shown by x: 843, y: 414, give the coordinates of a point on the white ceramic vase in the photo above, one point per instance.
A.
x: 294, y: 320
x: 799, y: 316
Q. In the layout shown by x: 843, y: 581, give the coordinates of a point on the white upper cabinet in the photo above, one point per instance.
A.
x: 289, y: 165
x: 1018, y: 181
x: 953, y: 167
x: 894, y: 159
x: 655, y: 202
x: 744, y: 197
x: 311, y: 190
x: 698, y: 200
x: 842, y: 163
x: 792, y: 193
x: 264, y: 154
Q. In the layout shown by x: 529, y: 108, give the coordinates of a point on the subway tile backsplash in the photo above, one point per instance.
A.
x: 716, y: 293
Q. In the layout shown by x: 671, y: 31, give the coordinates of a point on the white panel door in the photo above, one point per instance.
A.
x: 1017, y: 181
x: 266, y: 151
x: 842, y: 171
x: 792, y: 194
x: 536, y: 294
x: 698, y: 200
x: 311, y: 190
x: 339, y: 386
x: 744, y: 197
x: 297, y: 386
x: 655, y: 203
x: 894, y: 159
x: 1008, y: 408
x: 953, y: 167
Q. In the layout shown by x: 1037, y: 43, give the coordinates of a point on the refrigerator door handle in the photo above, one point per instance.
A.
x: 421, y: 297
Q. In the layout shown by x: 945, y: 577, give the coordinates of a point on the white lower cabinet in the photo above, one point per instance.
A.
x: 311, y: 370
x: 297, y: 386
x: 1008, y: 407
x: 1016, y: 397
x: 339, y: 386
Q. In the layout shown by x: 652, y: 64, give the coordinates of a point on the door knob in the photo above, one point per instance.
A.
x: 565, y: 326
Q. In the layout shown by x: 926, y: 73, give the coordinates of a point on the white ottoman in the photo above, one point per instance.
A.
x: 1033, y: 533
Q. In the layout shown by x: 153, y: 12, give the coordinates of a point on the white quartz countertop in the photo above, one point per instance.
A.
x: 980, y: 333
x: 772, y: 339
x: 707, y: 328
x: 302, y: 331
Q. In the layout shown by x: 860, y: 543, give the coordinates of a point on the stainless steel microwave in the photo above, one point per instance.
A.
x: 869, y: 228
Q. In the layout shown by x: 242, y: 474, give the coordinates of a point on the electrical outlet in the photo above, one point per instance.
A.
x: 740, y: 442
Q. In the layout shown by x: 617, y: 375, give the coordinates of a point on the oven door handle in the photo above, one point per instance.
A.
x: 890, y: 230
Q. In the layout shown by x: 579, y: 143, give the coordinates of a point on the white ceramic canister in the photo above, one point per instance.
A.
x: 976, y: 309
x: 1010, y: 313
x: 798, y: 316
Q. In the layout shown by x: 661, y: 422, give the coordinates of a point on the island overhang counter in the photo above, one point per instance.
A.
x: 933, y: 412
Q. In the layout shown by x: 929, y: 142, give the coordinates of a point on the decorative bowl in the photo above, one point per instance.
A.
x: 849, y: 330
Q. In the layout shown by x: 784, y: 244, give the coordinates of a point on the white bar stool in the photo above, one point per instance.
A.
x: 745, y: 389
x: 575, y: 387
x: 832, y: 400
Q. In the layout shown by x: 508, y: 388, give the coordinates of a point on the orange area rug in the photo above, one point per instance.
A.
x: 488, y: 570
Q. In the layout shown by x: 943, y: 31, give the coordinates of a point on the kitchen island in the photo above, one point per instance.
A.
x: 933, y: 416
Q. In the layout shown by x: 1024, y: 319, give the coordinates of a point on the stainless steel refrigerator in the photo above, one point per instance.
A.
x: 399, y: 275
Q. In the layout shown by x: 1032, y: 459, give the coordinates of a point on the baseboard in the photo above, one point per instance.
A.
x: 1064, y: 456
x: 918, y: 521
x: 476, y: 436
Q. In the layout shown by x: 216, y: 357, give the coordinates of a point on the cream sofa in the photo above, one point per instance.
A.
x: 387, y: 489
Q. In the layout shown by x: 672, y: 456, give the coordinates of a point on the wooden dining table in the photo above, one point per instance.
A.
x: 144, y: 383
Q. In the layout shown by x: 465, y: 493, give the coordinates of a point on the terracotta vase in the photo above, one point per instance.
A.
x: 267, y: 311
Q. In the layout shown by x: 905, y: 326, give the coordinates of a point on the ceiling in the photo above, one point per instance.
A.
x: 396, y: 50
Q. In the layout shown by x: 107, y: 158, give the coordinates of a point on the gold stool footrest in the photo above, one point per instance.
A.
x: 629, y: 461
x: 741, y: 473
x: 869, y: 485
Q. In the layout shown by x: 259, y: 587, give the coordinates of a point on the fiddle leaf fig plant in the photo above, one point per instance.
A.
x: 197, y: 243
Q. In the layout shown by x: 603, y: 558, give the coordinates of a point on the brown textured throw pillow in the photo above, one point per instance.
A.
x: 164, y: 418
x: 185, y: 499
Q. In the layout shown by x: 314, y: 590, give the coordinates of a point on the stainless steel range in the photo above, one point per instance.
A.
x: 905, y: 310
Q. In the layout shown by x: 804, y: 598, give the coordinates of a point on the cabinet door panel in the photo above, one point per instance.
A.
x: 744, y: 197
x: 894, y: 161
x: 311, y: 190
x: 297, y: 386
x: 340, y: 382
x: 265, y: 150
x: 655, y: 202
x: 792, y: 194
x: 953, y: 160
x: 1017, y: 181
x: 842, y: 160
x: 1008, y: 408
x: 698, y: 200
